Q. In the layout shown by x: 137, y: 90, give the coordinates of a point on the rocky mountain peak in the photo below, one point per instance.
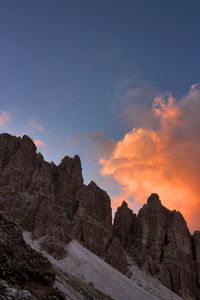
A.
x: 27, y: 142
x: 51, y: 200
x: 72, y: 168
x: 53, y: 203
x: 92, y: 184
x: 153, y: 199
x: 124, y: 224
x: 69, y: 161
x: 124, y: 204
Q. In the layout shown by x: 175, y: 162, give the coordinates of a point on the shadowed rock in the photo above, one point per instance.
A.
x: 124, y: 224
x: 196, y: 239
x: 162, y: 245
x: 52, y: 201
x: 22, y: 267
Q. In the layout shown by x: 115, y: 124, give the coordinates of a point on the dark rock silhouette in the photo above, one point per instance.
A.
x: 23, y: 267
x: 196, y: 239
x: 53, y: 202
x: 125, y: 224
x: 162, y: 245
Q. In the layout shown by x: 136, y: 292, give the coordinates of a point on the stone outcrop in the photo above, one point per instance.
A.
x: 116, y: 256
x: 93, y: 220
x: 23, y: 268
x: 161, y: 244
x: 52, y: 201
x: 196, y: 240
x: 125, y: 224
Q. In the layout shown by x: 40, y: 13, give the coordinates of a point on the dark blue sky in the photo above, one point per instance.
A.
x: 63, y: 64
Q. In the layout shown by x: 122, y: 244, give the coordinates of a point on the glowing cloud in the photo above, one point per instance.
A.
x: 4, y: 117
x: 164, y: 160
x: 34, y: 125
x: 39, y: 143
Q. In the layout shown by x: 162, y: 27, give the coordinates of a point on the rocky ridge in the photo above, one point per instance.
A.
x: 53, y: 202
x: 159, y: 241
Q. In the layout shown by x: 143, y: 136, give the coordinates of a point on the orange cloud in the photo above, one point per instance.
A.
x: 164, y: 160
x: 4, y: 117
x: 39, y: 143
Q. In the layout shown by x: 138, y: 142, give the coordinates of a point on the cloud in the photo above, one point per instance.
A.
x: 132, y: 104
x: 4, y: 117
x: 39, y: 143
x: 33, y: 125
x: 162, y: 158
x: 100, y: 145
x: 93, y: 144
x: 195, y: 85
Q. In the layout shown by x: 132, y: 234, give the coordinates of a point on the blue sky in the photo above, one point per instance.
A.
x: 72, y: 66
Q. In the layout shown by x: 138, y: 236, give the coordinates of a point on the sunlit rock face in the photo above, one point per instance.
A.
x: 162, y: 245
x: 23, y: 268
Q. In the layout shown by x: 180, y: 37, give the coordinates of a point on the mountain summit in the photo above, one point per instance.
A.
x: 55, y: 206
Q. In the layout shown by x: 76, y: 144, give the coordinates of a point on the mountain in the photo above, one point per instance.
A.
x: 83, y: 266
x: 61, y: 213
x: 24, y: 274
x: 159, y: 241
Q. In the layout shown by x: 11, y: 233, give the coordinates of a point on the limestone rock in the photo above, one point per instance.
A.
x: 163, y: 246
x: 68, y: 179
x: 96, y: 203
x: 196, y: 239
x: 8, y: 292
x: 52, y: 201
x: 23, y: 267
x: 124, y: 224
x: 92, y: 234
x: 117, y: 257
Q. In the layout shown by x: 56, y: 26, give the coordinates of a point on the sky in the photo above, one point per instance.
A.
x: 116, y: 82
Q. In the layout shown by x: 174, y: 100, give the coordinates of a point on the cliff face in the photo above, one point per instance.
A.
x: 162, y: 245
x: 52, y: 202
